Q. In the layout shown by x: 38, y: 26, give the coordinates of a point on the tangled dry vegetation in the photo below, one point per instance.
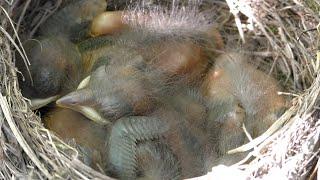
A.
x: 283, y: 36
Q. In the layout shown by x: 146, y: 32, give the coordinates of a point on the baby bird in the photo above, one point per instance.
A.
x: 56, y: 65
x: 126, y: 85
x: 128, y: 97
x: 132, y: 94
x: 173, y: 126
x: 70, y: 125
x: 137, y: 95
x: 237, y: 94
x: 184, y: 55
x: 73, y: 20
x: 93, y: 140
x: 55, y: 69
x: 114, y: 91
x: 183, y: 61
x: 148, y: 59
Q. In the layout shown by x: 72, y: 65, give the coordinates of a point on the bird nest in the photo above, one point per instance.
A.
x: 290, y: 51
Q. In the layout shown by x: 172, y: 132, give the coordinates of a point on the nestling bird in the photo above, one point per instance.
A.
x: 54, y: 59
x: 137, y: 94
x: 164, y: 39
x: 73, y: 20
x: 55, y: 68
x: 242, y: 95
x: 146, y: 60
x: 173, y: 125
x: 91, y: 139
x: 115, y: 91
x: 130, y: 93
x: 140, y: 94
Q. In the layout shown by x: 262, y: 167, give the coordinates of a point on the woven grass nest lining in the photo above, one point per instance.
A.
x: 28, y: 149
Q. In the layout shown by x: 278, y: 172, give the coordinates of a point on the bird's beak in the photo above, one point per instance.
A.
x: 39, y: 103
x: 89, y: 112
x: 84, y: 83
x: 79, y: 100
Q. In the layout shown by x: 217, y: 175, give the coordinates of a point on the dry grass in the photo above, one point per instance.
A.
x: 288, y: 46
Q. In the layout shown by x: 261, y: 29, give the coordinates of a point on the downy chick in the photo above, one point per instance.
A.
x: 127, y: 91
x: 124, y: 87
x: 89, y: 136
x: 239, y: 94
x: 163, y: 43
x: 54, y: 59
x: 179, y: 54
x: 140, y: 107
x: 129, y: 97
x: 114, y: 91
x: 91, y: 140
x: 171, y: 125
x: 175, y: 57
x: 184, y: 61
x: 55, y: 69
x: 73, y: 20
x: 166, y: 39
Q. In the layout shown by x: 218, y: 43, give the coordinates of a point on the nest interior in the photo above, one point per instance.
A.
x: 283, y: 38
